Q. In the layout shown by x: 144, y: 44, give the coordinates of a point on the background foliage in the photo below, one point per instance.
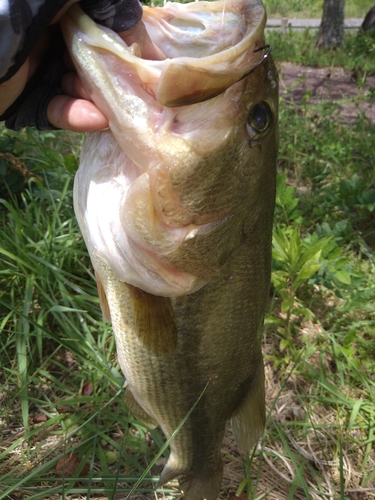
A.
x: 313, y: 8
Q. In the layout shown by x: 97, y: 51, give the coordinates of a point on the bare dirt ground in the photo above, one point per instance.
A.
x: 329, y: 84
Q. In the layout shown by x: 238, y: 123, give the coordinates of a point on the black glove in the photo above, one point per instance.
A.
x: 119, y: 15
x: 30, y: 108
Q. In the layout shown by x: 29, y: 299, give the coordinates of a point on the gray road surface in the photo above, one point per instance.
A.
x: 299, y: 24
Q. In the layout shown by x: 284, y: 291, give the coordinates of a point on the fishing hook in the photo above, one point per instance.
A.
x: 268, y: 49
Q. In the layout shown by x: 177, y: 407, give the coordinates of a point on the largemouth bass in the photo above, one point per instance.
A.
x: 175, y: 203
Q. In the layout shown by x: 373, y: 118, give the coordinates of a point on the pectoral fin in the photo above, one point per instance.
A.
x: 138, y: 411
x: 103, y: 299
x: 154, y: 321
x: 248, y: 421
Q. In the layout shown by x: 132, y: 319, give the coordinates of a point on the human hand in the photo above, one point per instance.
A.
x: 73, y: 108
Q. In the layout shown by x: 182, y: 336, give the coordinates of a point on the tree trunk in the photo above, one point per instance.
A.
x: 331, y: 32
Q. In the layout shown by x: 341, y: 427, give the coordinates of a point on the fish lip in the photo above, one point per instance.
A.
x: 192, y: 100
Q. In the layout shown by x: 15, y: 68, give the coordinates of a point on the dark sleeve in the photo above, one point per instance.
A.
x: 30, y: 108
x: 21, y: 23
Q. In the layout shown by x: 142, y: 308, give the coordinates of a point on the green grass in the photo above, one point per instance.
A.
x: 58, y: 357
x: 53, y: 344
x: 299, y: 47
x: 302, y: 9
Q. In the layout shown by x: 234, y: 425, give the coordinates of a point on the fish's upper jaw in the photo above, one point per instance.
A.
x: 208, y: 51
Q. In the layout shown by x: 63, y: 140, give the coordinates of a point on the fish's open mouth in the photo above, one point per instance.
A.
x: 209, y: 46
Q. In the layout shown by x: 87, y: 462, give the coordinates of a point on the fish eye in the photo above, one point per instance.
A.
x: 259, y: 120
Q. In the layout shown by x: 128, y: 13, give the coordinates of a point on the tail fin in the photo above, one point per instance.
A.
x: 248, y: 421
x: 202, y: 487
x: 195, y: 486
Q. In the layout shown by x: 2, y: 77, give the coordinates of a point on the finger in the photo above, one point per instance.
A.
x: 73, y: 86
x: 77, y: 115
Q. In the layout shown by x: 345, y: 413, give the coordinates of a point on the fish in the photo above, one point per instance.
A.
x: 175, y: 203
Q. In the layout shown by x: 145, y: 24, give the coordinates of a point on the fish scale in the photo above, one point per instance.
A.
x: 176, y: 211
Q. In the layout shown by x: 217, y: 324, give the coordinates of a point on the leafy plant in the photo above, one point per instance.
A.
x: 295, y: 262
x: 286, y: 210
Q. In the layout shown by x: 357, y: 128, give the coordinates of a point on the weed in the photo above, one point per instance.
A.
x: 299, y: 47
